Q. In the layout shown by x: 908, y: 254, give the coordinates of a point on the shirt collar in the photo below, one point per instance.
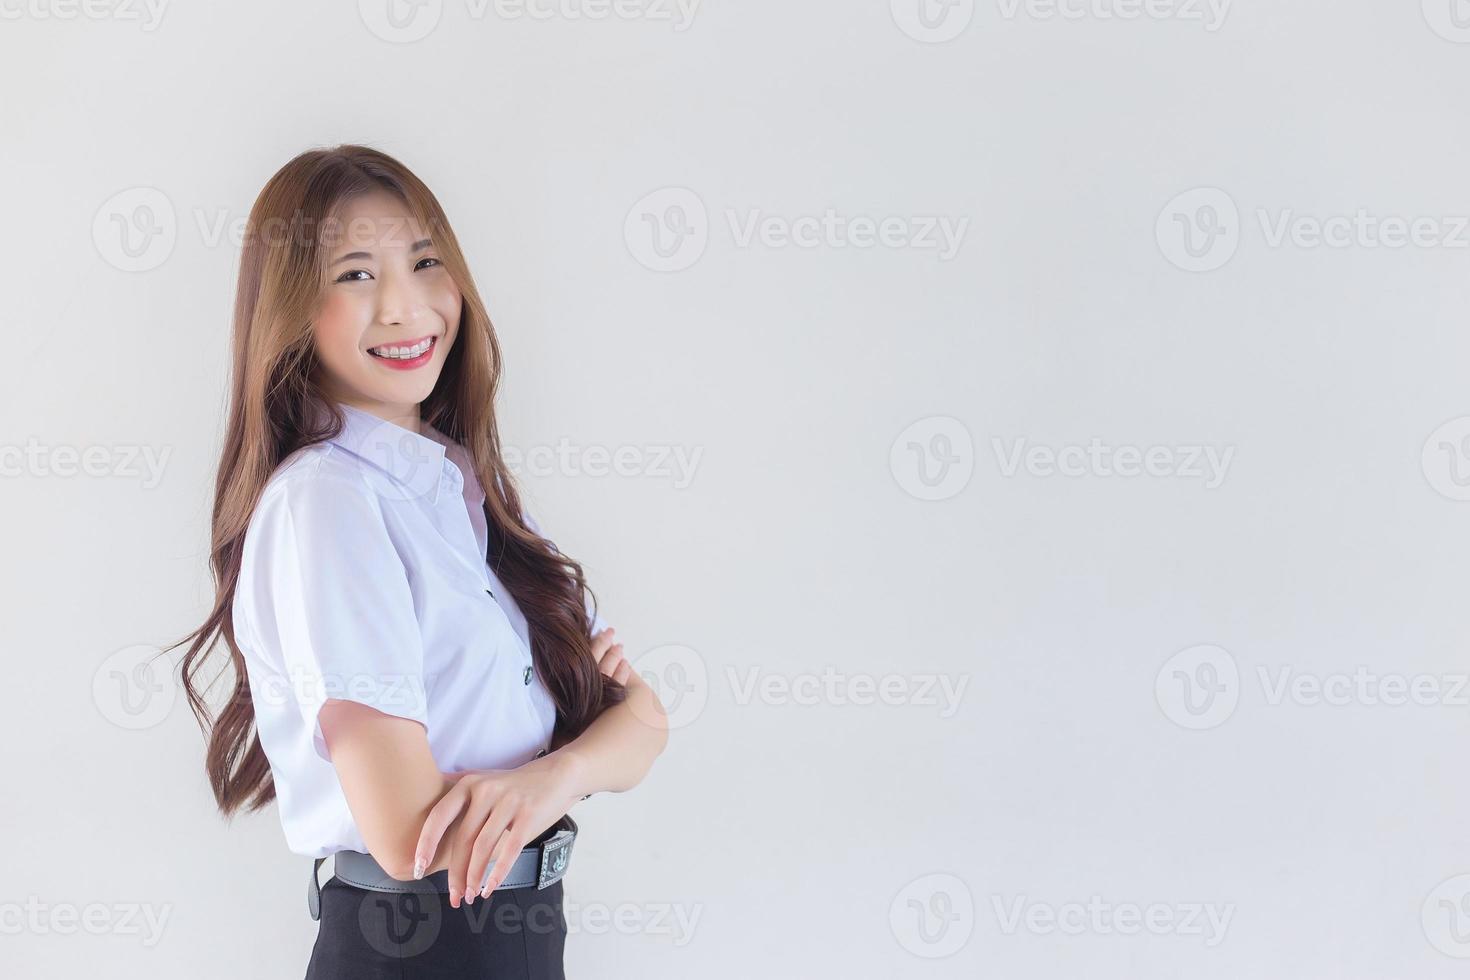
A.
x: 418, y: 464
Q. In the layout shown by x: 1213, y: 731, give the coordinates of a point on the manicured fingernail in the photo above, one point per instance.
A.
x: 418, y: 867
x: 485, y: 892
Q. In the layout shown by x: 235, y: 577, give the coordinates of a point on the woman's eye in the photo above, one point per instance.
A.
x: 352, y: 275
x: 428, y: 259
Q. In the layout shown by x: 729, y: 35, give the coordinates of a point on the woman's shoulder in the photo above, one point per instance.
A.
x: 319, y: 470
x: 323, y: 486
x: 318, y: 513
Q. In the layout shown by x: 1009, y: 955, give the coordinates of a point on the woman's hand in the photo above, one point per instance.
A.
x: 492, y: 815
x: 609, y: 656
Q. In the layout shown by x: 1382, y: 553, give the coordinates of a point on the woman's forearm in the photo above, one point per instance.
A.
x: 618, y: 748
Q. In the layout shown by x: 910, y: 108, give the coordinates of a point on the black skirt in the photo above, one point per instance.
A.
x: 515, y: 934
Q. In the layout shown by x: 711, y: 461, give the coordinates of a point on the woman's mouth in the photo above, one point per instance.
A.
x: 405, y: 355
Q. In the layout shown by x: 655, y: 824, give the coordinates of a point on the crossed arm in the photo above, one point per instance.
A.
x: 414, y: 817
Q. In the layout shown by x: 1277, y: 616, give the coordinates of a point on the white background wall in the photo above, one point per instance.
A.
x: 1136, y: 732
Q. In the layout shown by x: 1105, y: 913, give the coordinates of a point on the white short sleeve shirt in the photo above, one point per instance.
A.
x: 364, y: 578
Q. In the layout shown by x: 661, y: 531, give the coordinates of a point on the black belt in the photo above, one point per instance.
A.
x: 542, y: 863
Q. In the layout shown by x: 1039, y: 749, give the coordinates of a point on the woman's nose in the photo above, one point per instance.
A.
x: 399, y: 302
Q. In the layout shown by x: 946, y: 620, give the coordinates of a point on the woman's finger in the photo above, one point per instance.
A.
x: 623, y: 672
x: 484, y: 850
x: 611, y: 659
x: 601, y: 643
x: 456, y: 895
x: 504, y: 856
x: 440, y: 817
x: 481, y: 808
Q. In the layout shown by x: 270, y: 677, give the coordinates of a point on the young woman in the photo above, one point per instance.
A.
x: 428, y: 682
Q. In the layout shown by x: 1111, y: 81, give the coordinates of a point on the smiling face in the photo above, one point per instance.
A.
x: 389, y: 311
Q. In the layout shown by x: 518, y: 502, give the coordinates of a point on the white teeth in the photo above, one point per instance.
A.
x: 402, y: 353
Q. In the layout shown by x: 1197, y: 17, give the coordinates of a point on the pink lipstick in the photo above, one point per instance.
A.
x: 405, y: 355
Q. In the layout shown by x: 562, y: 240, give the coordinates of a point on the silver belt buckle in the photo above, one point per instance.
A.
x: 556, y: 851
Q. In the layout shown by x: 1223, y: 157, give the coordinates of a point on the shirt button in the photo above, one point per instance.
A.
x: 526, y: 676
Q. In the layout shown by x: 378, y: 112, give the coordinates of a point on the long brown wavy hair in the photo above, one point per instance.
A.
x: 277, y: 406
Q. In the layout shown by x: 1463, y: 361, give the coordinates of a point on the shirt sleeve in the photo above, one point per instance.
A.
x: 598, y: 623
x: 333, y: 598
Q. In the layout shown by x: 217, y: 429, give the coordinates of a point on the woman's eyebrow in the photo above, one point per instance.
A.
x: 417, y: 246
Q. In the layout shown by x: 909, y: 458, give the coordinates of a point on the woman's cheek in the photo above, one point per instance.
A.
x: 448, y: 304
x: 336, y: 344
x: 337, y: 329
